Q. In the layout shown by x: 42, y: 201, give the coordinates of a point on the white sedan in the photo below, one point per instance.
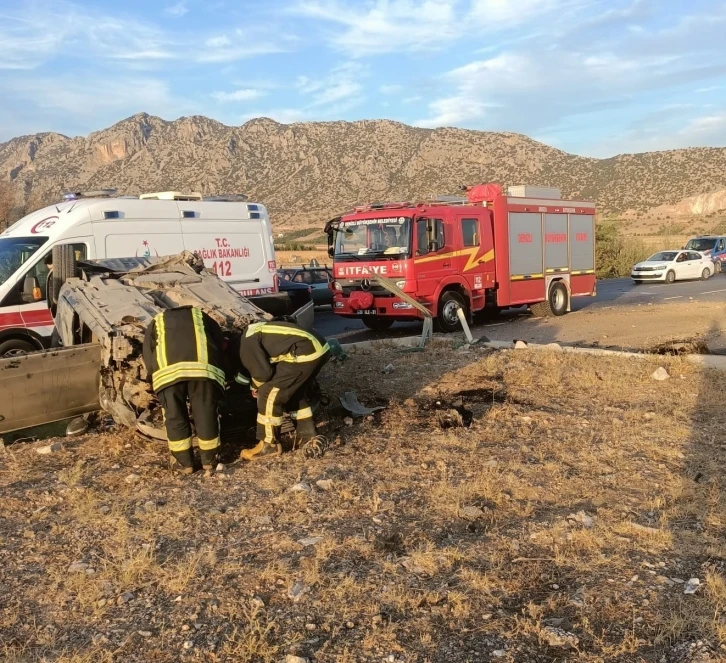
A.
x: 670, y: 266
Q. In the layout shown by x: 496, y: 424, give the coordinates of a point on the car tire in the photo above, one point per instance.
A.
x: 447, y: 318
x: 555, y: 305
x: 670, y: 276
x: 15, y: 347
x: 705, y: 274
x: 717, y: 267
x: 376, y: 323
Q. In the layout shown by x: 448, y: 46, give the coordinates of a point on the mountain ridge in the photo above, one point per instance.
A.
x: 307, y: 172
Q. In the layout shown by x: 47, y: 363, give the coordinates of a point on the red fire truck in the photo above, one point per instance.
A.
x: 485, y: 250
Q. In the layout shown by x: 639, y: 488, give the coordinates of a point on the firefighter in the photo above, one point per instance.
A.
x: 183, y: 356
x: 282, y: 360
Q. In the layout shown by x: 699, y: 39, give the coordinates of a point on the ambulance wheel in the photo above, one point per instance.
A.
x: 554, y: 305
x: 16, y: 347
x: 447, y: 317
x: 376, y: 323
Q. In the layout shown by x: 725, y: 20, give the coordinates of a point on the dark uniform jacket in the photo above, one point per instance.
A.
x: 265, y: 344
x: 183, y: 344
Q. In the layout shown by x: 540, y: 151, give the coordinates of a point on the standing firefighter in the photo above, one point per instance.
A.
x: 183, y: 356
x: 282, y: 360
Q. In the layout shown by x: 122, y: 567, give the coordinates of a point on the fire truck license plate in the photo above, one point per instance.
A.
x: 370, y: 311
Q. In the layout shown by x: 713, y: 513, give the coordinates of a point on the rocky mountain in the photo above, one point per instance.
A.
x: 309, y: 172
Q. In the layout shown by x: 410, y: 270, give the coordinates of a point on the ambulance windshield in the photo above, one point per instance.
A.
x: 380, y: 238
x: 15, y: 251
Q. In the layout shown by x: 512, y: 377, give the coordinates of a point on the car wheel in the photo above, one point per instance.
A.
x: 16, y: 347
x: 447, y: 317
x: 374, y: 323
x: 705, y: 274
x: 670, y: 276
x: 717, y: 267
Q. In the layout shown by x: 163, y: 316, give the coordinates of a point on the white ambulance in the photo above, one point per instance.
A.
x: 233, y: 236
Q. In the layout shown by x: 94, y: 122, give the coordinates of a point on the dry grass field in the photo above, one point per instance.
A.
x: 513, y: 506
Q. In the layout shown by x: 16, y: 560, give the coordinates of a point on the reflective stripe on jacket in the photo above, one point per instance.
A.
x: 267, y: 343
x: 183, y: 344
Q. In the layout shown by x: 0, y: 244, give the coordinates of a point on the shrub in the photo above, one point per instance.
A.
x: 615, y: 255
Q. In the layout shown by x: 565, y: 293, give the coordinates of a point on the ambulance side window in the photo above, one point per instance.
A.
x: 470, y: 232
x: 40, y: 271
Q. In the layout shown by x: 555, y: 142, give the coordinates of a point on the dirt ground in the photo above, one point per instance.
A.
x: 505, y: 506
x: 630, y: 327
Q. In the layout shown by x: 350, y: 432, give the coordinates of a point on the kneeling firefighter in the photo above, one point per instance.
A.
x: 282, y: 360
x: 183, y: 356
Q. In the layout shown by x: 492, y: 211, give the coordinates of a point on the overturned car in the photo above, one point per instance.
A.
x: 109, y: 303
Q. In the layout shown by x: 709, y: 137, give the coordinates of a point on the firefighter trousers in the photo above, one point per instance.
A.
x: 203, y: 398
x: 287, y: 391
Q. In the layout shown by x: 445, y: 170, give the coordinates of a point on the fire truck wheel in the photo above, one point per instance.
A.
x: 375, y: 323
x: 449, y: 304
x: 554, y: 305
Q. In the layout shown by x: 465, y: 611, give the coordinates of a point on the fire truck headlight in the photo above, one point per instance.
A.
x: 401, y: 284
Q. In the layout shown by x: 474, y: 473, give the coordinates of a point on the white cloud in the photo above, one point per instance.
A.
x: 178, y: 10
x: 245, y: 94
x: 341, y: 84
x: 385, y: 26
x: 240, y: 44
x: 390, y: 89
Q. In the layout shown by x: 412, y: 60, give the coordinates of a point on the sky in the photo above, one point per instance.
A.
x: 591, y: 77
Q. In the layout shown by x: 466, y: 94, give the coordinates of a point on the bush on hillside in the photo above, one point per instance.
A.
x: 615, y: 255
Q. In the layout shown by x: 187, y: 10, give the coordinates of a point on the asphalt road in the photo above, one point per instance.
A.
x: 610, y: 293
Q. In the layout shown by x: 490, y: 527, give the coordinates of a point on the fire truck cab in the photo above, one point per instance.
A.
x: 486, y: 250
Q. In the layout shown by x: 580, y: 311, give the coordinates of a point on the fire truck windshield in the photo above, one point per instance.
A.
x: 388, y: 238
x: 14, y: 251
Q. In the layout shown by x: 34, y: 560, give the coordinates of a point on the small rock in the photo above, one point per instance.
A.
x: 660, y: 375
x: 144, y: 634
x: 150, y: 505
x: 188, y: 644
x: 692, y: 586
x: 499, y: 653
x: 310, y: 626
x: 132, y: 478
x: 391, y: 658
x: 257, y: 602
x: 348, y: 421
x: 557, y: 637
x: 388, y: 369
x: 581, y: 518
x: 126, y: 597
x: 104, y: 509
x: 296, y: 659
x: 301, y: 487
x: 471, y: 513
x: 349, y: 625
x: 78, y: 567
x: 310, y: 540
x: 520, y: 345
x: 220, y: 467
x: 263, y: 520
x: 526, y: 420
x: 297, y: 591
x: 50, y: 449
x: 324, y: 484
x: 649, y: 416
x: 645, y: 529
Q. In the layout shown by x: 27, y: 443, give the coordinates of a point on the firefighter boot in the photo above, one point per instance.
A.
x: 261, y: 450
x: 209, y: 459
x: 182, y: 461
